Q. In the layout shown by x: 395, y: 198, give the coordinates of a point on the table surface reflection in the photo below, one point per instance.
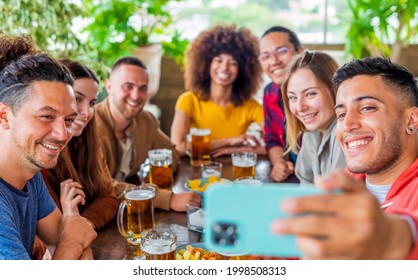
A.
x: 110, y: 245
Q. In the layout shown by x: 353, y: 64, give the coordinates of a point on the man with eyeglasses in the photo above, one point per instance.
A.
x: 277, y: 47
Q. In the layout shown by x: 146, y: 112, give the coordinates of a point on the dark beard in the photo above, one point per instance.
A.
x: 390, y: 152
x: 39, y: 165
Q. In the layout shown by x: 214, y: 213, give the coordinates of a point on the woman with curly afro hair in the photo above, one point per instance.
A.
x: 222, y: 75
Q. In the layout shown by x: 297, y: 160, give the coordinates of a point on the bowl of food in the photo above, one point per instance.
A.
x: 200, y: 185
x: 195, y: 251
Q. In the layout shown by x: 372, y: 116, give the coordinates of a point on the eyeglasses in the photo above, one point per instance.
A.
x: 280, y: 53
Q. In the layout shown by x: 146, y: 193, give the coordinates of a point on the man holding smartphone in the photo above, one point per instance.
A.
x: 376, y: 217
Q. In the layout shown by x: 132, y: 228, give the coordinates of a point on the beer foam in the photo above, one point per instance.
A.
x: 161, y: 160
x: 211, y: 172
x: 139, y: 195
x: 200, y: 131
x: 249, y: 181
x: 160, y: 155
x: 243, y: 162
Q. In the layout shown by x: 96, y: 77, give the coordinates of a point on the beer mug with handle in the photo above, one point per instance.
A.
x: 158, y: 244
x: 139, y: 204
x: 159, y: 167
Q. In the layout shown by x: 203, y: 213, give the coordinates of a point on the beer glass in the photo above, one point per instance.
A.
x: 200, y: 146
x: 161, y: 173
x: 243, y: 164
x: 158, y: 244
x: 188, y: 141
x: 139, y: 204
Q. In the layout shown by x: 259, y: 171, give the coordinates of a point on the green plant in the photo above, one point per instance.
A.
x: 381, y: 27
x: 48, y: 22
x: 119, y: 26
x: 176, y: 48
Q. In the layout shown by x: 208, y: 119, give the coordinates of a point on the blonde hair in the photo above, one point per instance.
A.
x: 323, y: 66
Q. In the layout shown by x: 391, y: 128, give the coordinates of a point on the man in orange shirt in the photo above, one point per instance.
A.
x: 377, y: 113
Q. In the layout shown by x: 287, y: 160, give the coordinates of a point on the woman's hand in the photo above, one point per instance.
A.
x: 243, y: 140
x: 178, y: 201
x: 242, y: 143
x: 72, y: 195
x: 281, y: 170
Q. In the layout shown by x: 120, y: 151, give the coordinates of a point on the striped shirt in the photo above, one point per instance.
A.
x: 274, y: 118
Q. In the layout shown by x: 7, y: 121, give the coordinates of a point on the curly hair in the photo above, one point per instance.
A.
x: 241, y: 44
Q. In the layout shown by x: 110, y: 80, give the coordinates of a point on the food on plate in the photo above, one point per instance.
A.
x: 197, y: 185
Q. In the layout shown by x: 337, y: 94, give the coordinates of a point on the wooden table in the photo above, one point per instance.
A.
x: 110, y: 245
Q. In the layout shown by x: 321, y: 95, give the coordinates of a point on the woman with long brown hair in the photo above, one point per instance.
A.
x: 81, y: 181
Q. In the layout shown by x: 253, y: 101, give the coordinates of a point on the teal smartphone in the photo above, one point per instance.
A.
x: 238, y: 218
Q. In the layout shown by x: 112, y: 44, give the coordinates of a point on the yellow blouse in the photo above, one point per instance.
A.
x: 224, y: 122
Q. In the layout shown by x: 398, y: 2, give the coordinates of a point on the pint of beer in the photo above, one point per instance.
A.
x: 243, y: 164
x: 139, y: 204
x: 200, y: 146
x: 158, y: 244
x: 161, y: 173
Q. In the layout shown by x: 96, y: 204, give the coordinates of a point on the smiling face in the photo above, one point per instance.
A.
x: 42, y: 126
x: 370, y: 127
x: 310, y: 100
x: 86, y: 91
x: 276, y: 51
x: 223, y: 70
x: 128, y: 90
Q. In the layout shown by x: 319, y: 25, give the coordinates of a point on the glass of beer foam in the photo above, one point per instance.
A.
x: 200, y: 146
x: 139, y: 205
x: 250, y: 180
x: 243, y: 164
x: 158, y: 244
x: 161, y: 168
